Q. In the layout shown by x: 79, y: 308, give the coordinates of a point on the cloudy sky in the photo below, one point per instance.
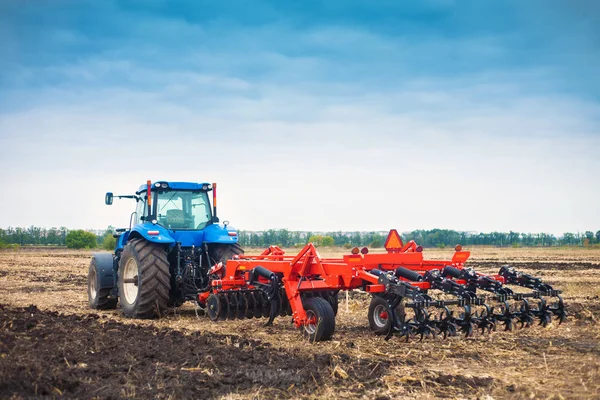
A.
x: 336, y: 115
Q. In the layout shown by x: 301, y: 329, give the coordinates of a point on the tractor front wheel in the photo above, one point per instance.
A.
x: 98, y: 297
x: 144, y: 279
x: 321, y: 319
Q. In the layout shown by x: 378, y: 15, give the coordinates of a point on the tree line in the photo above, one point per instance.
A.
x: 425, y: 238
x: 76, y: 239
x: 285, y: 238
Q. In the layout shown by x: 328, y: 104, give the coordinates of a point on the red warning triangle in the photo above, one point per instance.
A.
x: 393, y: 241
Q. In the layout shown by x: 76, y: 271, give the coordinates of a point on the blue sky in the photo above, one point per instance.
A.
x: 470, y: 115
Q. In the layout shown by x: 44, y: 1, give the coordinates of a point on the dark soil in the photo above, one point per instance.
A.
x: 52, y: 354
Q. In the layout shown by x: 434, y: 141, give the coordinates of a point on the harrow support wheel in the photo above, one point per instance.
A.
x: 98, y: 297
x: 379, y: 315
x: 144, y: 279
x: 321, y: 323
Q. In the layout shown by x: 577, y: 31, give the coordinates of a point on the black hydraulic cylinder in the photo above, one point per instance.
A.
x: 261, y: 271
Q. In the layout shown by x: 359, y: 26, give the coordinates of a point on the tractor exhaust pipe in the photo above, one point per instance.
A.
x: 215, y: 218
x: 149, y: 183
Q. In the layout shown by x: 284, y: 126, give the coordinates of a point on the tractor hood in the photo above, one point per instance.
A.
x: 214, y: 233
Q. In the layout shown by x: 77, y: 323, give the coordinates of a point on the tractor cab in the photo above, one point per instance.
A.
x: 175, y: 205
x: 176, y: 212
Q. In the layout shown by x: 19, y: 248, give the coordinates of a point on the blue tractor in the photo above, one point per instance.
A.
x: 163, y: 258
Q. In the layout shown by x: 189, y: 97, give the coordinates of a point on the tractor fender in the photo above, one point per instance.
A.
x: 148, y: 232
x: 105, y: 270
x: 217, y: 233
x: 121, y: 240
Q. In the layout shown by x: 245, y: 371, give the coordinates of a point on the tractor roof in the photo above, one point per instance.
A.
x: 176, y: 186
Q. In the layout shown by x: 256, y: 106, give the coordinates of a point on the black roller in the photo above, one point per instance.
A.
x: 408, y: 274
x: 451, y: 272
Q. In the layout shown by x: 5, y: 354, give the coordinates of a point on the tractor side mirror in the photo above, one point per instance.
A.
x: 108, y: 199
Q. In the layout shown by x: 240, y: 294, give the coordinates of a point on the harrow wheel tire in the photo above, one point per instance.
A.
x: 320, y: 310
x: 213, y: 307
x: 379, y: 320
x: 333, y: 300
x: 144, y: 279
x: 98, y: 298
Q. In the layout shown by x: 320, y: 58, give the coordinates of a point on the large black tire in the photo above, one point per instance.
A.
x: 319, y: 308
x: 379, y: 320
x: 146, y: 265
x: 333, y: 300
x: 98, y: 298
x: 221, y: 252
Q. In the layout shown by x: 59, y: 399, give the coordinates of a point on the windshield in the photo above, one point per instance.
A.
x: 182, y: 209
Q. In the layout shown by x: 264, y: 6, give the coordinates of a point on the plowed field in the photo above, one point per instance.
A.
x: 52, y: 345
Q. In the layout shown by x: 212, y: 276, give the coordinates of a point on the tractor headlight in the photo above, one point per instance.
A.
x: 157, y: 184
x: 204, y: 187
x: 164, y: 185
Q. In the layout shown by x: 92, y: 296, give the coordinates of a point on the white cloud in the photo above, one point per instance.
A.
x: 351, y: 163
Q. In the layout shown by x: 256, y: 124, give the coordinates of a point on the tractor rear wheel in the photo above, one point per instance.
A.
x: 379, y: 315
x: 98, y: 298
x: 321, y: 318
x: 221, y: 252
x: 144, y: 279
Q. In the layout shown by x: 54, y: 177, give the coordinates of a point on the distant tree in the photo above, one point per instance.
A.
x: 377, y: 240
x: 109, y: 242
x: 320, y: 240
x: 589, y: 236
x: 327, y: 241
x: 80, y: 239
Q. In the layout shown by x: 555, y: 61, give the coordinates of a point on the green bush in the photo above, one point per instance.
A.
x: 109, y: 243
x: 8, y: 246
x: 80, y: 239
x: 320, y: 240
